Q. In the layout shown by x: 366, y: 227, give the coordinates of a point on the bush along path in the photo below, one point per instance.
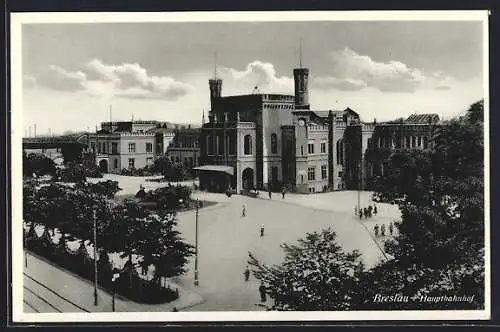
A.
x: 67, y: 215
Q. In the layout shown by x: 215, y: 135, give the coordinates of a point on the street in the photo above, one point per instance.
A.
x: 225, y: 238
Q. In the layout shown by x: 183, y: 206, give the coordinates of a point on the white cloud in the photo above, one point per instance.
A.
x: 352, y: 71
x: 126, y: 80
x: 260, y: 74
x: 29, y: 81
x: 345, y: 84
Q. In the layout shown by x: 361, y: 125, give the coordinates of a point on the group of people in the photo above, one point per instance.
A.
x: 382, y: 229
x: 366, y: 212
x: 262, y: 288
x: 283, y: 192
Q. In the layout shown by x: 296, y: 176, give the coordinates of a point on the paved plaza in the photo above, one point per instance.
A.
x: 225, y: 238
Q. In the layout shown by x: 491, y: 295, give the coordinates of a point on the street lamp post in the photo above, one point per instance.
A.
x: 196, y: 282
x: 25, y: 248
x: 114, y: 280
x: 95, y: 257
x: 359, y: 186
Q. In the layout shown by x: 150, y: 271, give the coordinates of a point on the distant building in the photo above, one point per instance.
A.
x: 57, y: 147
x: 136, y: 144
x: 263, y: 141
x: 185, y: 146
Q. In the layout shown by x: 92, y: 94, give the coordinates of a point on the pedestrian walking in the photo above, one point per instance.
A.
x: 360, y: 213
x: 374, y: 209
x: 365, y: 212
x: 375, y: 229
x: 262, y: 230
x: 244, y: 210
x: 270, y: 193
x: 283, y: 190
x: 391, y: 227
x: 262, y: 291
x: 382, y: 229
x: 247, y: 273
x: 355, y: 210
x: 370, y: 210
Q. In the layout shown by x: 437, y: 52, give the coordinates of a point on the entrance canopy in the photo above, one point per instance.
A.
x: 216, y: 168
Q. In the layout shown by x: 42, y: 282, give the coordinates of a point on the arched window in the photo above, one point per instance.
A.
x: 274, y: 143
x: 247, y: 144
x: 340, y: 152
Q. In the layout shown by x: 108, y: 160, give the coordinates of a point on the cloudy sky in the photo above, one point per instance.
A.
x: 72, y: 73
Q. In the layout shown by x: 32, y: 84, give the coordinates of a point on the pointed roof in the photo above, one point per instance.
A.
x: 423, y: 118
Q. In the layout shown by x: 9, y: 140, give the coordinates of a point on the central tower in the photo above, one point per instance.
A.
x: 215, y: 85
x: 301, y: 79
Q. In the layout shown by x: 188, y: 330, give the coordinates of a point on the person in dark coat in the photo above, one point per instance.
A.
x: 370, y: 209
x: 365, y: 212
x: 244, y: 210
x: 376, y: 229
x: 360, y: 213
x: 391, y: 228
x: 374, y: 209
x: 262, y: 230
x: 262, y: 291
x: 283, y: 191
x: 382, y: 230
x: 270, y: 193
x: 246, y: 273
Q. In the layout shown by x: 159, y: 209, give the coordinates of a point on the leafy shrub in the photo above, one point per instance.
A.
x: 39, y: 164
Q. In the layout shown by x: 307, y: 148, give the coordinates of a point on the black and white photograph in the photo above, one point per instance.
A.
x: 250, y: 166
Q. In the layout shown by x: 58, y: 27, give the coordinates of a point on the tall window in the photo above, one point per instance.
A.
x: 301, y: 150
x: 426, y: 142
x: 413, y: 141
x: 274, y: 143
x: 419, y: 141
x: 149, y: 161
x: 408, y: 145
x: 210, y: 145
x: 220, y: 144
x: 114, y: 148
x: 311, y: 174
x: 310, y: 148
x: 115, y: 163
x: 247, y: 144
x: 323, y: 172
x: 398, y: 141
x: 149, y: 147
x: 92, y: 146
x: 131, y: 147
x: 340, y: 152
x: 323, y: 147
x: 131, y: 163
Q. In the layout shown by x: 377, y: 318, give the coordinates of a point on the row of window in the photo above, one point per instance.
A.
x: 131, y: 147
x: 131, y: 162
x: 310, y: 148
x: 408, y: 142
x: 311, y: 173
x: 102, y: 147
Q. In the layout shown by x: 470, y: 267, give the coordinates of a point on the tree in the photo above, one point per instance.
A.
x: 170, y: 170
x: 316, y: 275
x: 160, y: 244
x: 38, y: 164
x: 440, y: 247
